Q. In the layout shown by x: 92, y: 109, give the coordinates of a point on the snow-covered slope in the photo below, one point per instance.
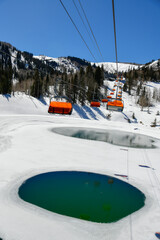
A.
x: 59, y: 64
x: 28, y: 146
x: 20, y: 103
x: 71, y: 66
x: 122, y: 67
x: 155, y: 65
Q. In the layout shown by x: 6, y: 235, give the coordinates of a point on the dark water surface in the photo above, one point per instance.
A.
x: 89, y: 196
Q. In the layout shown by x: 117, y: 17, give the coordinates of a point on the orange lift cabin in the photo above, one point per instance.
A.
x: 95, y: 104
x: 109, y: 97
x: 104, y: 100
x: 60, y: 107
x: 115, y: 105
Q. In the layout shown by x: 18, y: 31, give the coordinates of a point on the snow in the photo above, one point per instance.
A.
x: 28, y: 146
x: 13, y: 57
x: 154, y: 64
x: 108, y: 66
x: 122, y: 67
x: 63, y: 63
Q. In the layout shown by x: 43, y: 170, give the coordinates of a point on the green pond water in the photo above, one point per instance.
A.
x: 88, y: 196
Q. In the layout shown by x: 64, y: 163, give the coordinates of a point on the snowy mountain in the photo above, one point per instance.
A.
x: 25, y: 60
x: 73, y: 65
x: 155, y: 64
x: 122, y: 67
x: 68, y: 64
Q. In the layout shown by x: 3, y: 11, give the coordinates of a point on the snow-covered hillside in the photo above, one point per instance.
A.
x: 28, y: 146
x: 70, y: 66
x: 59, y: 64
x: 122, y: 67
x: 154, y: 64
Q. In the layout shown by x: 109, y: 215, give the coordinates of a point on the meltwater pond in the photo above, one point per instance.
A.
x: 88, y: 196
x: 126, y: 139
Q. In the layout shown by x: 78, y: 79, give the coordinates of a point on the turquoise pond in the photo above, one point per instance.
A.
x: 115, y: 137
x: 88, y: 196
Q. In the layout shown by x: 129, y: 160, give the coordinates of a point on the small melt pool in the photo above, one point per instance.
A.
x: 88, y: 196
x: 115, y: 137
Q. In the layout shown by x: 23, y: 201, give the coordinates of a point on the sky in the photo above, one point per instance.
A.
x: 42, y: 27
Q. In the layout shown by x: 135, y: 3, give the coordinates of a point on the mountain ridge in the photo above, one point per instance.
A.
x: 68, y: 64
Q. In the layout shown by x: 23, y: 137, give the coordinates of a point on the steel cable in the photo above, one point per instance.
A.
x: 77, y: 29
x: 91, y: 30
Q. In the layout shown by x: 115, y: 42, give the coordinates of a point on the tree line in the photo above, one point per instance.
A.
x: 136, y: 84
x: 79, y: 87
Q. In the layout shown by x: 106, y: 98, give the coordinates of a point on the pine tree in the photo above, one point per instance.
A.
x: 98, y: 76
x: 75, y: 89
x: 82, y: 87
x: 125, y: 87
x: 36, y: 90
x: 6, y: 80
x: 46, y: 85
x: 130, y: 84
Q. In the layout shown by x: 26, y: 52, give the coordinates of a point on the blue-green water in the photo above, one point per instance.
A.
x: 83, y: 195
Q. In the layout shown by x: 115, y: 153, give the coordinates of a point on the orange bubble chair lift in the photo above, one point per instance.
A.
x: 95, y: 103
x: 58, y: 107
x: 104, y: 100
x: 109, y: 97
x: 113, y: 89
x: 115, y: 105
x: 112, y: 93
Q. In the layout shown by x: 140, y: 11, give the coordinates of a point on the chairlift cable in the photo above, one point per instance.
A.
x: 115, y: 39
x: 117, y: 104
x: 82, y: 20
x: 91, y: 29
x: 77, y: 29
